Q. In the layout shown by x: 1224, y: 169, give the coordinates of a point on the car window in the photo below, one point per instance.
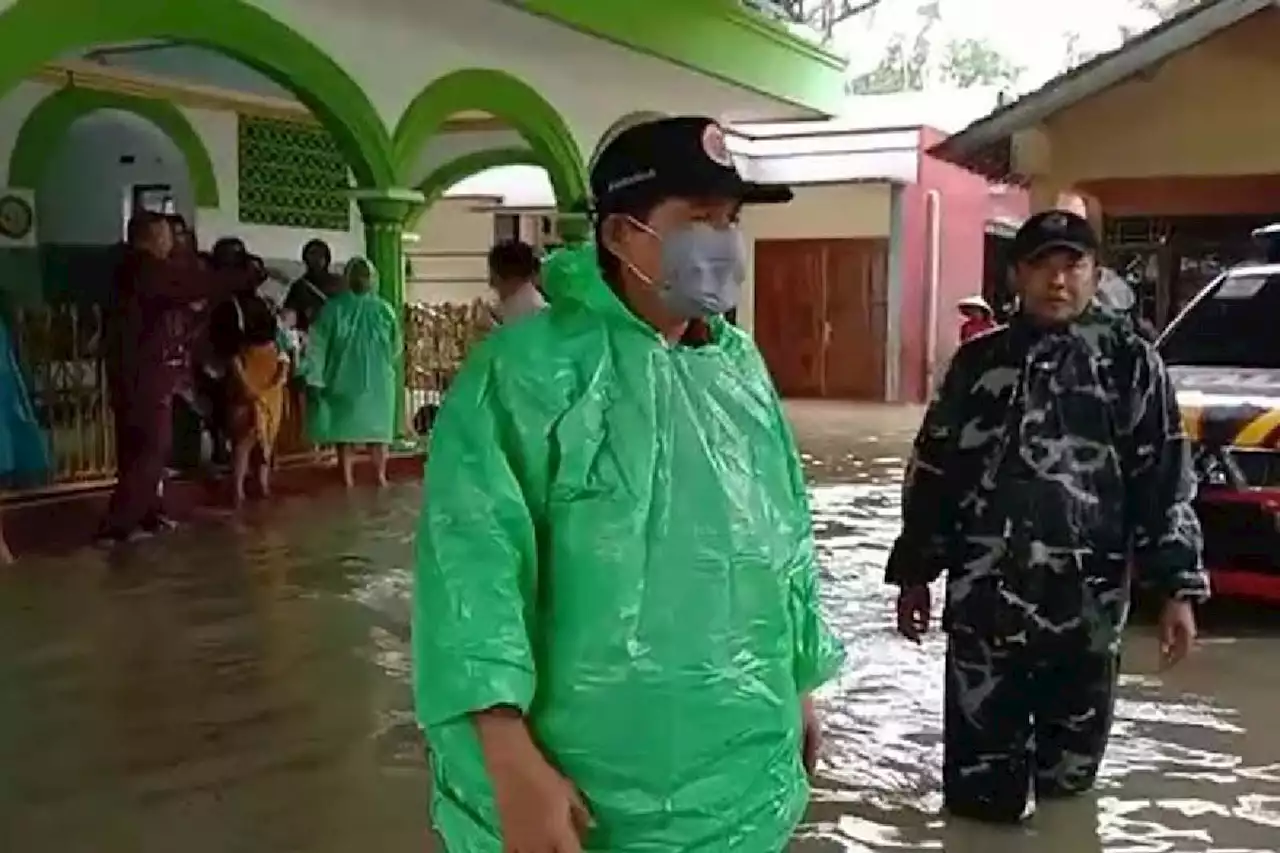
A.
x: 1232, y: 324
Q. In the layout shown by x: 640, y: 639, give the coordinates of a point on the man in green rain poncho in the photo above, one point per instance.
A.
x: 616, y: 626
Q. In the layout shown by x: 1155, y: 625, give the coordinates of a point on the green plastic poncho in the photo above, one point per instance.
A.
x: 616, y: 540
x: 350, y: 367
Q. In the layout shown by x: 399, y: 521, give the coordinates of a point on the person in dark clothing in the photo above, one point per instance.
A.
x: 148, y: 358
x: 1051, y: 461
x: 187, y: 420
x: 309, y: 293
x: 225, y: 334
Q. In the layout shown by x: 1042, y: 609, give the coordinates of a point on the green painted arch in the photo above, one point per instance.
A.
x: 33, y: 32
x: 435, y: 184
x: 504, y: 97
x: 47, y: 124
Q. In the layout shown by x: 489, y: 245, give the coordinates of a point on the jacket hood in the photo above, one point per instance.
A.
x: 573, y: 275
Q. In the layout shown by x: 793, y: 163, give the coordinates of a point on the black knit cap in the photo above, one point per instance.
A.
x: 681, y: 157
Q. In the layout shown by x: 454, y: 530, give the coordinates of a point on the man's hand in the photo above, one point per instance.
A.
x: 539, y: 810
x: 811, y: 745
x: 914, y: 612
x: 1177, y: 631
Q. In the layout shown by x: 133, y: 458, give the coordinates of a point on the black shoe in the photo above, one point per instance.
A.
x: 158, y: 523
x: 111, y: 538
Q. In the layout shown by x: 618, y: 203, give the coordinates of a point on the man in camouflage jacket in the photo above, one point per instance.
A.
x: 1051, y: 461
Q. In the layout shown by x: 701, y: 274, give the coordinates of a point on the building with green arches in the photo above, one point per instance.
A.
x: 279, y: 121
x: 285, y: 119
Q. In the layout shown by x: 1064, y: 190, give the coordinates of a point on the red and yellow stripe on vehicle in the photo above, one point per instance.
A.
x: 1244, y: 425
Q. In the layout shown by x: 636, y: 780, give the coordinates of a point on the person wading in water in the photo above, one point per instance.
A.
x: 1051, y: 460
x: 148, y: 361
x: 315, y: 287
x: 616, y: 623
x: 513, y: 275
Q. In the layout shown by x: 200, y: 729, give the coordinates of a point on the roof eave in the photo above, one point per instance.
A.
x: 972, y: 148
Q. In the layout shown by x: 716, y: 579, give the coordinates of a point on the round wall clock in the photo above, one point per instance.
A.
x: 16, y: 217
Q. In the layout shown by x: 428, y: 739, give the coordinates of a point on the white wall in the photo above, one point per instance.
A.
x: 449, y: 261
x: 527, y: 187
x: 81, y: 198
x: 823, y: 212
x: 591, y: 82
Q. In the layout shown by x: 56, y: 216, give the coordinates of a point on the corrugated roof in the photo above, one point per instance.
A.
x: 984, y: 146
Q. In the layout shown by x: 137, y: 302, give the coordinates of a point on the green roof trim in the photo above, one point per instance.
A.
x: 720, y: 38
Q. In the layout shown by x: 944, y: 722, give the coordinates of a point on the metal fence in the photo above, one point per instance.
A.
x: 437, y: 338
x: 59, y: 349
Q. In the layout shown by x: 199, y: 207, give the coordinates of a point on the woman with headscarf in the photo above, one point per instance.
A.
x: 350, y: 370
x: 977, y: 317
x: 317, y: 285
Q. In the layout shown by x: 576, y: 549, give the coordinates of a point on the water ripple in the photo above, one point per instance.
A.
x: 246, y: 688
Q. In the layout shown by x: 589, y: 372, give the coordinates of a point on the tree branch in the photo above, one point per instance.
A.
x: 824, y: 15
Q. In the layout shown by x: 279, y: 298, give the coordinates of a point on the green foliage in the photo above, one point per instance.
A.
x: 911, y: 65
x: 973, y: 62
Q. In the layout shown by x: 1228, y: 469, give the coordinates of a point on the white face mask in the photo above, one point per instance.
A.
x: 703, y: 268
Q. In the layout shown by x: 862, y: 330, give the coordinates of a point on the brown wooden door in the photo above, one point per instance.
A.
x: 820, y: 316
x: 790, y: 283
x: 857, y: 305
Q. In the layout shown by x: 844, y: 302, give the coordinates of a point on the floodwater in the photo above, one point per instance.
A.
x: 243, y: 688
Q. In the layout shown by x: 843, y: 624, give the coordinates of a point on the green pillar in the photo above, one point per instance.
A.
x: 384, y: 212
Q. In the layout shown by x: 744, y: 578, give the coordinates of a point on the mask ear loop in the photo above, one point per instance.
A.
x: 596, y: 217
x: 640, y: 274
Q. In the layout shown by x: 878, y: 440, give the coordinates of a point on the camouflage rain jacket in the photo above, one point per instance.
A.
x: 1049, y: 463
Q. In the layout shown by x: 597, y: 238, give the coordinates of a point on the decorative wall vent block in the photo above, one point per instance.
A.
x: 292, y: 175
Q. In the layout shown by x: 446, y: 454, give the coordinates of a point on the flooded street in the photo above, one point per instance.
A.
x: 245, y: 689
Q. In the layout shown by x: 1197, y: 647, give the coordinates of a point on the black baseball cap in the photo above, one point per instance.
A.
x: 681, y: 157
x: 1054, y: 229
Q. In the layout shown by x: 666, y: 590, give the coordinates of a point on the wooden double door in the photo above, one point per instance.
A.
x: 820, y: 316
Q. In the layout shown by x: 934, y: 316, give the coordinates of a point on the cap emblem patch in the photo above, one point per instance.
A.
x: 716, y: 147
x: 1055, y: 222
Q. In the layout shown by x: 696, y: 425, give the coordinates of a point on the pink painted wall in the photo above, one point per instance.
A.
x: 966, y: 204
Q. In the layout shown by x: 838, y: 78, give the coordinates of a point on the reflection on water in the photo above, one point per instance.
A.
x: 245, y: 688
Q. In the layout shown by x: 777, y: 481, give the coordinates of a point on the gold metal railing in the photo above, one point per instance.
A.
x: 59, y: 349
x: 437, y: 338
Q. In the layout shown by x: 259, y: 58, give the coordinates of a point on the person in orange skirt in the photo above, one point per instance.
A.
x: 260, y: 371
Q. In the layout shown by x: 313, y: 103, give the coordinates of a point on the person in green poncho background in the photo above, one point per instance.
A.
x: 350, y: 370
x: 616, y: 625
